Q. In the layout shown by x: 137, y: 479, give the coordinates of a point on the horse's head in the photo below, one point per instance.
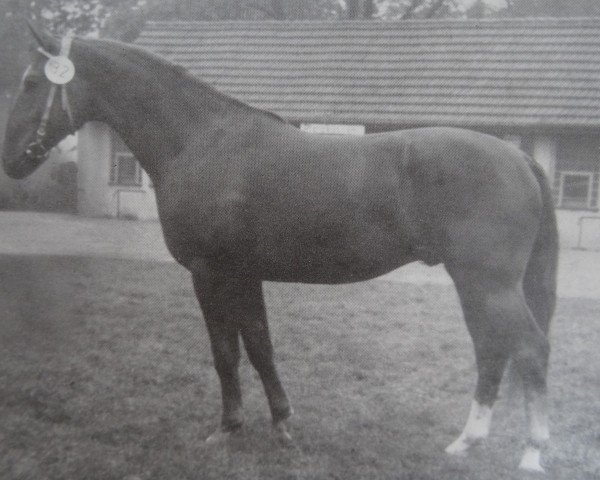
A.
x: 45, y: 109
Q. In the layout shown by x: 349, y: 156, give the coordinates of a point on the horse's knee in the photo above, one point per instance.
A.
x: 259, y: 348
x: 226, y: 366
x: 226, y: 359
x: 225, y: 369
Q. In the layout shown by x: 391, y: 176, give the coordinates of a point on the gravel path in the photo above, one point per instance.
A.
x: 56, y: 234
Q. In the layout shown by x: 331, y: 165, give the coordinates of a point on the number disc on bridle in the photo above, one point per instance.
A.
x: 59, y: 70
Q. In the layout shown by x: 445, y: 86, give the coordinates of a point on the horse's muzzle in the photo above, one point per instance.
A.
x: 26, y: 163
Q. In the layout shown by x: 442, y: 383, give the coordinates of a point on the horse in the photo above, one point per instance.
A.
x: 244, y: 197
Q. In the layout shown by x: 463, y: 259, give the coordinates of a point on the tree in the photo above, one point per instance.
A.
x: 356, y: 9
x: 125, y: 23
x: 553, y: 8
x: 535, y: 8
x: 12, y: 57
x: 409, y: 9
x: 58, y: 16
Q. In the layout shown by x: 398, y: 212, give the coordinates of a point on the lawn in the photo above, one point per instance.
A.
x: 106, y: 373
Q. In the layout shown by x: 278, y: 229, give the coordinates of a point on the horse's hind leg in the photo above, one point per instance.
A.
x: 531, y: 362
x: 502, y: 326
x: 484, y: 310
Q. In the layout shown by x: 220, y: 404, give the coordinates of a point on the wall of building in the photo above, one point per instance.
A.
x: 579, y: 229
x: 97, y: 197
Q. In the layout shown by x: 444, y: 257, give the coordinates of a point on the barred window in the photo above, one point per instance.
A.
x: 575, y: 189
x: 125, y: 170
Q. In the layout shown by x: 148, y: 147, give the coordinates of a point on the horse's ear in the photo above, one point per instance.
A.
x: 43, y: 38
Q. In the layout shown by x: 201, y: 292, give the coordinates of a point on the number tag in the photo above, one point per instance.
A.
x: 59, y: 70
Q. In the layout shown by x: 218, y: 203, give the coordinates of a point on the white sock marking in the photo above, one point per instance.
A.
x: 531, y: 460
x: 477, y: 428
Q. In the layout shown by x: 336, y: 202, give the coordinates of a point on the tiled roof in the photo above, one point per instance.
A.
x: 505, y: 72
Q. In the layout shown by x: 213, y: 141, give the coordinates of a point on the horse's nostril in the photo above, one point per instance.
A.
x: 36, y: 151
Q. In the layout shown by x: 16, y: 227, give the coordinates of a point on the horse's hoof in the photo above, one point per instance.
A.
x: 219, y: 437
x: 282, y: 433
x: 458, y: 447
x: 531, y: 461
x: 462, y: 444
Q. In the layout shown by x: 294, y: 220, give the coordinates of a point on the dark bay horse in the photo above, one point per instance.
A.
x: 244, y: 197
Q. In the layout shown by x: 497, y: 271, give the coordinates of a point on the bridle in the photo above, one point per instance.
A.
x: 37, y: 150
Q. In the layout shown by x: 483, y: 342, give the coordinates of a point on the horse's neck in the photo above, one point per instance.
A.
x: 156, y: 109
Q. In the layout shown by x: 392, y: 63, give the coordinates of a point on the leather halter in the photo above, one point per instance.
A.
x: 36, y: 150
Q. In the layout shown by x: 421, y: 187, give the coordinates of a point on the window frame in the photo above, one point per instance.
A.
x: 119, y: 151
x: 561, y: 183
x: 114, y: 179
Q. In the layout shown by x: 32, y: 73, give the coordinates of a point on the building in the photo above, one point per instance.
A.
x: 534, y: 82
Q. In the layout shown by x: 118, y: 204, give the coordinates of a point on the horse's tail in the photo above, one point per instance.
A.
x: 539, y: 283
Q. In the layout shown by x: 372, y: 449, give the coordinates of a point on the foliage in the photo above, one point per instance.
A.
x: 534, y: 8
x: 56, y: 193
x: 13, y: 58
x: 125, y: 22
x: 406, y: 9
x: 58, y: 16
x: 552, y: 8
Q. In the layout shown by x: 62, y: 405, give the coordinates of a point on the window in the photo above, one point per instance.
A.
x: 575, y: 189
x: 124, y: 168
x: 577, y: 172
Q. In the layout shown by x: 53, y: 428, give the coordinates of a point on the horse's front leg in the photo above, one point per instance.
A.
x: 232, y: 306
x: 214, y: 298
x: 255, y: 333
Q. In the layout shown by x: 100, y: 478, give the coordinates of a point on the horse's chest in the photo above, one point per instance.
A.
x: 211, y: 228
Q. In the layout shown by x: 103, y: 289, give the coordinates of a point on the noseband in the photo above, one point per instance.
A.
x: 36, y: 150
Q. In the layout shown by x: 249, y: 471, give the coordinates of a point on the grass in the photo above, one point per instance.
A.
x: 106, y: 373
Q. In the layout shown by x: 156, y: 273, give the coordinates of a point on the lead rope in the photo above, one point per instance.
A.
x: 37, y: 150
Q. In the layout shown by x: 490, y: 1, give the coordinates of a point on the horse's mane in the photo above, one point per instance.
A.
x: 136, y: 55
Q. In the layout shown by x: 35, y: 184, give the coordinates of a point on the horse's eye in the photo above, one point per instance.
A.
x: 30, y: 83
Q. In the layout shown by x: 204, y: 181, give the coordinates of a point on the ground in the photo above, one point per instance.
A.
x: 106, y: 372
